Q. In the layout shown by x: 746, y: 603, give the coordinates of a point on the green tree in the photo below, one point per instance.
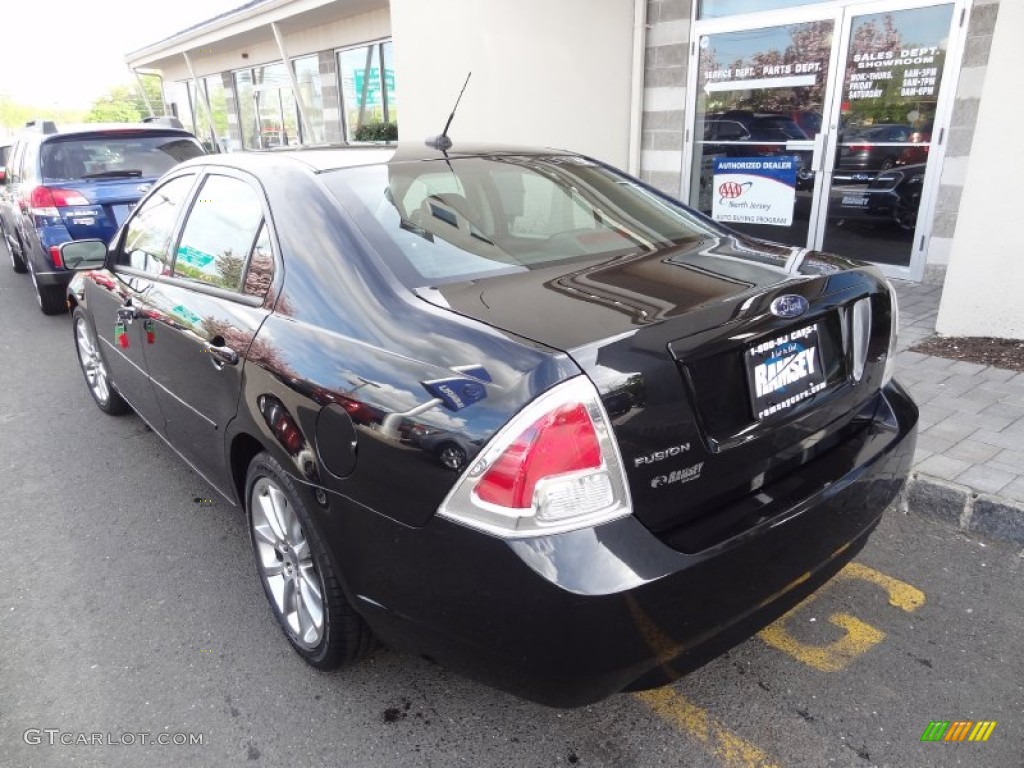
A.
x: 14, y: 114
x: 119, y: 105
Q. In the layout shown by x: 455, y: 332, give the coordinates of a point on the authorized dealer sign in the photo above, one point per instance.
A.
x: 754, y: 190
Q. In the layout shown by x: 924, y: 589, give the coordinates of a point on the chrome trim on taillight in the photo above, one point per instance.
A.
x: 464, y: 506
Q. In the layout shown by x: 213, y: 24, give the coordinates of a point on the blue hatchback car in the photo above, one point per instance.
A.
x: 78, y: 183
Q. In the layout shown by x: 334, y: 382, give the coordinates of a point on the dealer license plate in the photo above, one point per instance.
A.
x: 784, y: 371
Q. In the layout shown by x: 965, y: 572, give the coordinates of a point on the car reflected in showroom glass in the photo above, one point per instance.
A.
x: 510, y: 409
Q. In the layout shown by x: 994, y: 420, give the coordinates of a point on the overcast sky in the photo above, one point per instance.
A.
x: 67, y: 52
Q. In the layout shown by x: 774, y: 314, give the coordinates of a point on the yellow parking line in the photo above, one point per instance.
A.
x: 901, y: 595
x: 715, y: 738
x: 857, y: 641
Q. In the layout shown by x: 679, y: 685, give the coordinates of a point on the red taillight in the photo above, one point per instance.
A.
x: 860, y: 147
x: 55, y: 256
x: 555, y: 467
x: 43, y: 198
x: 559, y: 442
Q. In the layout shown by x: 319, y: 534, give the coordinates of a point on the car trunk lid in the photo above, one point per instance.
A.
x: 712, y: 396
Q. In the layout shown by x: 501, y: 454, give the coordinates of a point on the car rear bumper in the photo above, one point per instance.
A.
x: 569, y: 619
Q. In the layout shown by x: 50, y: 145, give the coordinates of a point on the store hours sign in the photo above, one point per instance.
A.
x: 754, y: 190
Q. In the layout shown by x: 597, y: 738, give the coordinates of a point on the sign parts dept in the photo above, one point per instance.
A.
x: 754, y: 190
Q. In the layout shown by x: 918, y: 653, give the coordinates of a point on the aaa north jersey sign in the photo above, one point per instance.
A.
x: 754, y: 190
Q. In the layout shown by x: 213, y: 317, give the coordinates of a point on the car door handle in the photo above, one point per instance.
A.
x: 221, y: 355
x: 127, y: 313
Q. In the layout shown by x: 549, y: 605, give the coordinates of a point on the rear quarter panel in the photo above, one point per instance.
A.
x: 346, y: 338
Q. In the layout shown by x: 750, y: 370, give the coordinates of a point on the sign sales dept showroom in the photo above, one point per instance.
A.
x: 754, y: 190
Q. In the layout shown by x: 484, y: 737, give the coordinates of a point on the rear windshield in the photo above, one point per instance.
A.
x: 441, y: 222
x: 114, y: 157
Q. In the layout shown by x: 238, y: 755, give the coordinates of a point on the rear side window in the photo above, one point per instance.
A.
x: 260, y: 272
x: 147, y: 240
x: 115, y: 157
x: 27, y: 162
x: 14, y: 167
x: 219, y: 233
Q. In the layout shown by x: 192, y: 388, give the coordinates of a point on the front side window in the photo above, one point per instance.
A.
x: 219, y: 233
x: 146, y: 244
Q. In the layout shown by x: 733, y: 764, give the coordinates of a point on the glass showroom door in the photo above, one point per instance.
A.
x: 801, y: 128
x: 891, y: 112
x: 761, y: 93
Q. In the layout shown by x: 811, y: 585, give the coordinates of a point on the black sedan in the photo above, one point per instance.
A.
x: 683, y: 432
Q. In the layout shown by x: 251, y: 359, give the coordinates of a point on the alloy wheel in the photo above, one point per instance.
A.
x: 452, y: 456
x: 286, y: 564
x: 92, y: 363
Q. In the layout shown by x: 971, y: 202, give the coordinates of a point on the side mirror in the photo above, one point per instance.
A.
x: 80, y: 255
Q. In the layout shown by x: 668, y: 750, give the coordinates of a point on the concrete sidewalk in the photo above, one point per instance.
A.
x: 969, y: 466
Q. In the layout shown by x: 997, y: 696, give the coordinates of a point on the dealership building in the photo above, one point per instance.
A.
x: 871, y: 128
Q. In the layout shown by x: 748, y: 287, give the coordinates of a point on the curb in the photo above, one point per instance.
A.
x: 965, y: 509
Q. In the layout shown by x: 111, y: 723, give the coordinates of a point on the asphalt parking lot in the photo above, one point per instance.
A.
x: 131, y: 612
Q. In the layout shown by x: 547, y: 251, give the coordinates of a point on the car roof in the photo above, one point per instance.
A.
x: 321, y: 159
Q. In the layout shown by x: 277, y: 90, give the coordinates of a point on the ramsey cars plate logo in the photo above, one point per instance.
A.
x: 789, y: 306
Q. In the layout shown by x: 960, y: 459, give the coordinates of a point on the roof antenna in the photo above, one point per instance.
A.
x: 442, y: 142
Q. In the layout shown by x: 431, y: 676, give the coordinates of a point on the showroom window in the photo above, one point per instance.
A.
x: 307, y: 74
x: 368, y: 95
x: 248, y: 125
x: 181, y: 101
x: 190, y: 108
x: 276, y: 113
x: 268, y: 114
x: 217, y: 99
x: 713, y: 9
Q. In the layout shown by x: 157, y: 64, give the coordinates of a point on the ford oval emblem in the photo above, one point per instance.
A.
x: 789, y: 306
x: 143, y: 188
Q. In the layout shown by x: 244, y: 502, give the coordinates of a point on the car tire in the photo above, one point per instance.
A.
x: 17, y: 261
x: 49, y: 297
x: 94, y: 369
x: 298, y: 574
x: 451, y: 456
x: 906, y: 217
